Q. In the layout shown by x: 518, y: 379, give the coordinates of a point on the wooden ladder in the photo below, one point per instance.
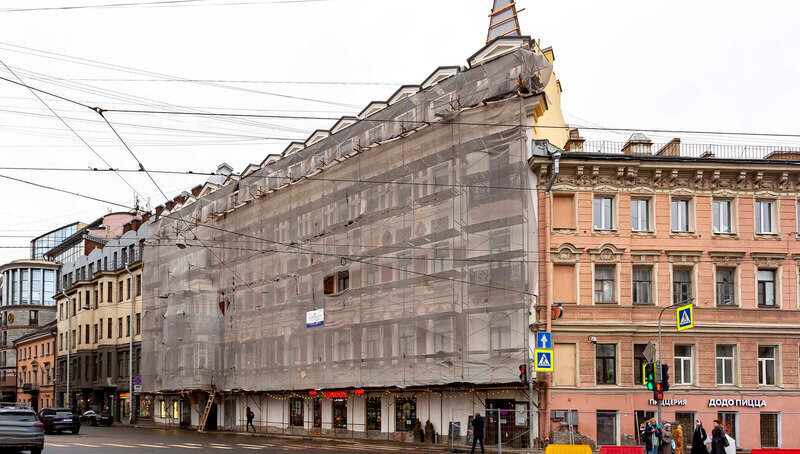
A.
x: 203, y: 419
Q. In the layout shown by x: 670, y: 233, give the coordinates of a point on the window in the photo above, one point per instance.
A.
x: 681, y: 286
x: 128, y: 326
x: 373, y: 413
x: 119, y: 327
x: 499, y: 333
x: 405, y: 339
x: 109, y: 329
x: 603, y: 284
x: 638, y: 363
x: 766, y: 288
x: 318, y: 349
x: 336, y: 282
x: 603, y: 213
x: 766, y: 365
x: 563, y: 211
x: 680, y: 215
x: 726, y: 291
x: 722, y: 216
x: 765, y: 210
x: 372, y: 342
x: 138, y: 285
x: 34, y: 317
x: 86, y: 333
x: 296, y: 411
x: 642, y: 283
x: 683, y: 365
x: 441, y: 255
x: 606, y: 427
x: 108, y: 293
x: 730, y: 422
x: 640, y: 215
x: 605, y: 364
x: 339, y: 410
x: 342, y: 346
x: 442, y: 334
x: 120, y: 290
x: 769, y: 430
x: 725, y: 364
x: 95, y: 333
x: 317, y: 408
x: 405, y: 414
x: 566, y: 357
x: 138, y: 323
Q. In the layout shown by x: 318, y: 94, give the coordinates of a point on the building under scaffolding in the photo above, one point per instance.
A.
x: 380, y: 273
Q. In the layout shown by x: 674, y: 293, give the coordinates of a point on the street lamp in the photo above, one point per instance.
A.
x: 130, y: 346
x: 69, y: 343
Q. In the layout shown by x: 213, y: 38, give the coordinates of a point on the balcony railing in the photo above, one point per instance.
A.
x: 104, y: 265
x: 698, y: 150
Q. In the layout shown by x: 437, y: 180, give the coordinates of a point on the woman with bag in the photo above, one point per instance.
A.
x: 699, y: 438
x: 667, y: 443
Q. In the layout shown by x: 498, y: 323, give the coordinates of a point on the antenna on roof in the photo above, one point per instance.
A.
x: 503, y: 20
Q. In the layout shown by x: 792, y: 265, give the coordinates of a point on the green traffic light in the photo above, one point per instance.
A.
x: 650, y: 385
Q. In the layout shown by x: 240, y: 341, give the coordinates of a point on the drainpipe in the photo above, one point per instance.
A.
x: 69, y: 346
x: 548, y: 280
x: 130, y: 347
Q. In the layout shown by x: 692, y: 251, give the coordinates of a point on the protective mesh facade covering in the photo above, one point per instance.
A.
x: 422, y: 211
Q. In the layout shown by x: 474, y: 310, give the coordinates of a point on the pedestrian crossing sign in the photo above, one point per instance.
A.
x: 685, y: 317
x: 544, y: 360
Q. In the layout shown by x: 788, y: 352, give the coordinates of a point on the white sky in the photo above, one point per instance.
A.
x: 722, y: 66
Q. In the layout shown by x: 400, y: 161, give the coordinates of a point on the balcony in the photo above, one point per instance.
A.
x: 30, y: 388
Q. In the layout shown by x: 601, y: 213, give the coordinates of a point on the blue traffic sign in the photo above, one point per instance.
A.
x: 544, y: 360
x: 544, y: 340
x: 685, y: 317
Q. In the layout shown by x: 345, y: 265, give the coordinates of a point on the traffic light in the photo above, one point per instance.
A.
x: 523, y: 373
x: 649, y: 375
x: 658, y: 392
x: 664, y: 377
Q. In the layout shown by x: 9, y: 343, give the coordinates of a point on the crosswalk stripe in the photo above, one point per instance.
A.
x: 185, y: 446
x: 148, y: 445
x: 57, y: 445
x: 219, y: 447
x: 117, y: 445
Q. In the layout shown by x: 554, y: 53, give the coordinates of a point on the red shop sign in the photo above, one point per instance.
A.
x: 335, y: 394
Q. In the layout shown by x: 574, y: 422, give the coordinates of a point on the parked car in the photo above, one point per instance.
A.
x: 92, y: 418
x: 20, y: 430
x: 57, y: 420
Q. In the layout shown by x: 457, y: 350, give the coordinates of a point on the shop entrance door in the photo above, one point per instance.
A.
x: 498, y: 409
x: 339, y: 413
x: 186, y: 413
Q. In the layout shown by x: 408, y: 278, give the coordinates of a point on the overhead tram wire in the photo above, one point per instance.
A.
x: 157, y: 4
x: 33, y: 92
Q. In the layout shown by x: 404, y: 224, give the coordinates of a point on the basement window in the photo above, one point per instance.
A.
x: 336, y: 282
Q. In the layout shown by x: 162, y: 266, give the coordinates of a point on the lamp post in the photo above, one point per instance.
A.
x: 69, y: 346
x: 658, y: 369
x: 130, y: 346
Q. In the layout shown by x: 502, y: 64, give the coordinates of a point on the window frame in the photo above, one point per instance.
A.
x: 613, y: 282
x: 758, y: 220
x: 610, y: 216
x: 775, y: 288
x: 724, y: 359
x: 763, y: 363
x: 648, y: 218
x: 733, y: 284
x: 615, y: 379
x: 731, y: 216
x: 635, y: 284
x: 690, y: 274
x: 683, y: 365
x: 689, y: 221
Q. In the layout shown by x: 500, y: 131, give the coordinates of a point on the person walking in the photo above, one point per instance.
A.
x: 718, y: 439
x: 667, y: 443
x: 477, y: 433
x: 250, y: 416
x: 651, y: 436
x: 677, y: 435
x: 699, y: 438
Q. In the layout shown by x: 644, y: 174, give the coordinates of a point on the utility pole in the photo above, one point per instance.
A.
x: 658, y: 364
x: 130, y: 346
x: 69, y: 345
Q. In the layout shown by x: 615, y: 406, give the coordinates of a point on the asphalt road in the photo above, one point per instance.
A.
x: 114, y: 440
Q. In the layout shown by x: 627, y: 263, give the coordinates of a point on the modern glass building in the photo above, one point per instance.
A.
x: 49, y: 240
x: 29, y: 283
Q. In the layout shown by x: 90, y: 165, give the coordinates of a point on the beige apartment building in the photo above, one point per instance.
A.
x: 99, y: 314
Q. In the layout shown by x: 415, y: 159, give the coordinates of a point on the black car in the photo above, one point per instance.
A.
x: 57, y: 420
x: 92, y: 418
x: 20, y: 430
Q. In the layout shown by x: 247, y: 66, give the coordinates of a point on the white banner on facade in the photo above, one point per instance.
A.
x: 315, y: 318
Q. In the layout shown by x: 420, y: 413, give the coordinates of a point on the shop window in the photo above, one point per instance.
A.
x: 640, y: 417
x: 769, y: 430
x: 336, y: 282
x: 373, y: 413
x: 296, y: 411
x: 766, y: 365
x: 606, y: 427
x: 339, y: 408
x: 686, y: 420
x: 725, y: 361
x: 726, y: 289
x: 730, y: 421
x: 605, y: 364
x: 405, y: 414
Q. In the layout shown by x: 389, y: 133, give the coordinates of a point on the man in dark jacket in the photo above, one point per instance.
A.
x: 250, y: 416
x: 699, y: 439
x: 477, y: 432
x: 718, y: 439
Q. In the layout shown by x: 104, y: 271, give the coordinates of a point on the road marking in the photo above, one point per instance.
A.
x: 184, y: 446
x: 84, y: 445
x: 57, y: 445
x: 118, y: 446
x: 219, y: 446
x: 147, y: 445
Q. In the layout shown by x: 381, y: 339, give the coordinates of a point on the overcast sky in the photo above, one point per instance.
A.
x: 711, y: 66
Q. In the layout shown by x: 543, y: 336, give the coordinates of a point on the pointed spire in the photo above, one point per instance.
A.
x: 503, y: 20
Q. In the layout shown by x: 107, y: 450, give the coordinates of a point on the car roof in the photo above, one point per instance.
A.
x: 57, y: 409
x: 15, y: 409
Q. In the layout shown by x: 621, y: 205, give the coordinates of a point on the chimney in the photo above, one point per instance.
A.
x: 159, y: 209
x: 672, y: 148
x: 575, y: 141
x: 145, y: 217
x: 196, y: 190
x: 126, y: 227
x: 638, y: 144
x: 135, y: 224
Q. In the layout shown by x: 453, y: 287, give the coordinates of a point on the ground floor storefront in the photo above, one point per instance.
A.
x: 424, y: 415
x: 603, y: 417
x: 115, y: 401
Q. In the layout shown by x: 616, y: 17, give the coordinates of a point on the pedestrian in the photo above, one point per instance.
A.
x: 651, y: 436
x: 667, y: 443
x: 477, y: 433
x: 699, y: 438
x: 677, y: 435
x: 718, y: 439
x: 250, y: 416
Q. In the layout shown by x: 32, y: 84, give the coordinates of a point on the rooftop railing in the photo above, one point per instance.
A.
x: 695, y: 150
